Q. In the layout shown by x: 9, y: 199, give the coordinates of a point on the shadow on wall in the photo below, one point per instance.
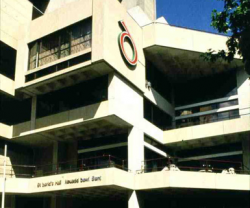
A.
x: 39, y: 8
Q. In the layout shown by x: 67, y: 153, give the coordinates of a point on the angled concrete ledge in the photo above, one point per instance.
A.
x: 79, y: 180
x: 191, y: 180
x: 5, y: 131
x: 221, y: 128
x: 186, y: 39
x: 7, y: 85
x: 116, y: 178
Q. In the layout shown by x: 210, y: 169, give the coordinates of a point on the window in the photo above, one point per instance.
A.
x: 156, y: 116
x: 61, y: 44
x: 205, y: 89
x: 207, y: 118
x: 7, y: 60
x: 73, y: 97
x: 205, y: 108
x: 13, y: 111
x: 158, y: 81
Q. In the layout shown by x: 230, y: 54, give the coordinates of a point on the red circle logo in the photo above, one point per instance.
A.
x: 123, y: 35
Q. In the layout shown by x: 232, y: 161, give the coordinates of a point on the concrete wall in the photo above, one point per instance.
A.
x: 243, y: 85
x: 56, y: 4
x: 7, y: 85
x: 105, y: 45
x: 185, y: 39
x: 44, y: 25
x: 148, y: 6
x: 116, y: 177
x: 5, y: 131
x: 13, y: 14
x: 124, y: 100
x: 59, y: 19
x: 183, y: 179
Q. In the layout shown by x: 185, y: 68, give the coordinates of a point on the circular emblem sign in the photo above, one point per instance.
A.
x: 122, y: 36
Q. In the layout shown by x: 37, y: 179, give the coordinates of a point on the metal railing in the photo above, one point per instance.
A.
x: 195, y: 165
x: 210, y: 120
x: 93, y: 163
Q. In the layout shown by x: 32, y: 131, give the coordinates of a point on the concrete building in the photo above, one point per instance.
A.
x: 104, y: 105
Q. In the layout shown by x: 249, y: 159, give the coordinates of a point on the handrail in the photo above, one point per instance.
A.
x: 194, y: 123
x: 207, y: 165
x: 91, y: 163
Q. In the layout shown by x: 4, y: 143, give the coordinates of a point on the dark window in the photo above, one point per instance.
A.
x: 205, y: 108
x: 13, y: 111
x: 39, y: 7
x: 7, y: 60
x: 97, y: 142
x: 60, y: 44
x: 205, y: 89
x: 83, y: 94
x: 156, y: 116
x: 158, y: 81
x: 155, y: 143
x: 207, y: 118
x: 58, y: 67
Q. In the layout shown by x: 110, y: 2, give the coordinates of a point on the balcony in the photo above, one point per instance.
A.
x: 61, y: 59
x: 193, y: 165
x: 111, y: 176
x: 227, y: 131
x: 86, y: 164
x: 207, y: 112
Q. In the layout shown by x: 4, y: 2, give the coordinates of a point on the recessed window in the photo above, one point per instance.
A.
x: 7, y: 60
x: 60, y: 44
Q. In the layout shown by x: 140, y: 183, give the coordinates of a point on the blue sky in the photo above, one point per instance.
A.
x: 195, y: 14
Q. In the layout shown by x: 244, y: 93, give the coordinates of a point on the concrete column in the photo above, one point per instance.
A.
x: 13, y: 201
x: 33, y: 112
x: 173, y: 104
x: 55, y: 156
x: 53, y: 202
x: 246, y: 153
x: 135, y: 149
x: 134, y: 200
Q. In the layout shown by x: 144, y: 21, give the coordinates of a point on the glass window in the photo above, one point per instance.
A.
x: 49, y: 49
x: 234, y: 114
x: 223, y: 116
x: 33, y: 55
x: 72, y: 97
x: 61, y: 44
x: 7, y: 60
x: 211, y: 87
x: 228, y: 104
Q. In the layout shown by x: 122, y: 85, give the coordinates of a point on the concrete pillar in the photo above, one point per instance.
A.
x: 246, y: 153
x: 173, y: 104
x: 134, y: 200
x: 55, y: 156
x: 13, y: 201
x: 72, y: 154
x: 33, y: 112
x: 135, y: 149
x: 53, y: 202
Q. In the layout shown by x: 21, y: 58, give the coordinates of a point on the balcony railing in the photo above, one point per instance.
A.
x: 93, y: 163
x: 210, y: 119
x: 195, y: 165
